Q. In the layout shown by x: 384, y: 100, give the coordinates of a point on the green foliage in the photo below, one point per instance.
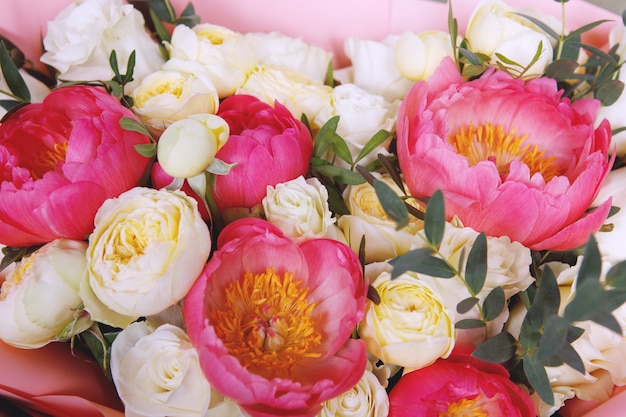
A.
x: 435, y: 219
x: 99, y: 344
x: 13, y: 254
x: 13, y: 78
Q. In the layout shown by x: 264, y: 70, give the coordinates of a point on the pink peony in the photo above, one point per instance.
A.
x: 60, y: 160
x: 459, y: 385
x: 268, y: 145
x: 512, y: 158
x: 271, y: 320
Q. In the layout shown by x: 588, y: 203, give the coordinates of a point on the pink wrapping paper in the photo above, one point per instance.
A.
x: 50, y: 381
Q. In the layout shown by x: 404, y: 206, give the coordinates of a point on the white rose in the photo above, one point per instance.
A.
x: 362, y: 115
x: 300, y: 209
x: 275, y: 49
x: 417, y: 56
x: 494, y: 27
x: 611, y: 243
x: 224, y: 54
x: 374, y: 67
x: 177, y: 91
x: 147, y: 249
x: 367, y: 399
x: 411, y: 326
x: 296, y: 91
x: 39, y: 300
x: 80, y: 39
x: 188, y: 146
x: 367, y: 218
x: 157, y: 373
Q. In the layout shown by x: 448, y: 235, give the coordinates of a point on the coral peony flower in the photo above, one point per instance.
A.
x: 60, y: 160
x: 268, y: 145
x: 512, y: 158
x: 271, y: 320
x: 459, y: 385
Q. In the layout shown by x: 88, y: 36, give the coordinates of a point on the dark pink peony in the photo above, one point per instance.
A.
x: 60, y: 160
x: 512, y: 158
x: 459, y: 386
x: 268, y: 145
x: 271, y: 320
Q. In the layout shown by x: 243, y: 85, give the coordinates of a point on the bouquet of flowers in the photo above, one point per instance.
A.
x: 230, y: 223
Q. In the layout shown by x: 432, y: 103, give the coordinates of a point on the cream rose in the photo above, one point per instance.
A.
x: 147, y: 249
x: 417, y: 55
x: 368, y: 219
x: 188, y: 146
x: 611, y: 242
x: 224, y: 54
x: 362, y: 115
x: 367, y: 399
x: 411, y: 326
x: 275, y: 49
x: 39, y: 300
x: 177, y: 91
x: 294, y: 90
x: 300, y: 209
x: 80, y: 39
x: 157, y: 373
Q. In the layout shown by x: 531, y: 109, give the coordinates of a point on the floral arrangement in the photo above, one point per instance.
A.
x: 230, y: 226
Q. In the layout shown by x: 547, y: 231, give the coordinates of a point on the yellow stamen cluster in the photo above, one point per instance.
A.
x: 488, y: 142
x: 465, y: 408
x: 267, y: 323
x: 47, y: 160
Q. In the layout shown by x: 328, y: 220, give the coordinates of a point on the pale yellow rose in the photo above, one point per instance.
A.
x: 417, y: 55
x: 223, y: 53
x: 39, y: 300
x: 366, y: 399
x: 294, y: 90
x: 411, y: 326
x: 367, y: 218
x: 177, y: 91
x: 157, y: 372
x: 300, y: 209
x: 188, y: 146
x: 146, y: 250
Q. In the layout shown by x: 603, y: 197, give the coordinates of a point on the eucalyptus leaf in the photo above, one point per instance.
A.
x: 392, y: 204
x: 128, y: 123
x: 146, y: 149
x: 553, y: 338
x: 494, y: 303
x: 587, y: 302
x: 606, y: 319
x: 497, y: 349
x: 435, y: 219
x: 591, y: 265
x: 339, y: 174
x: 163, y: 9
x: 471, y: 57
x: 569, y: 355
x: 476, y: 269
x: 12, y: 76
x: 616, y: 276
x: 374, y: 143
x: 609, y: 92
x: 9, y: 104
x: 421, y: 261
x: 561, y: 69
x: 466, y: 324
x: 545, y: 303
x: 466, y: 305
x: 538, y: 378
x: 188, y: 17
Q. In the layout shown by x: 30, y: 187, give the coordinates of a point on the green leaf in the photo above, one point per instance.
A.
x: 146, y: 149
x: 547, y: 29
x: 114, y: 66
x: 13, y: 254
x: 188, y: 17
x: 569, y: 355
x: 324, y: 136
x: 163, y: 9
x: 476, y: 269
x: 128, y: 123
x: 466, y: 305
x: 160, y: 29
x: 12, y: 75
x: 116, y: 88
x: 573, y: 333
x: 586, y: 28
x: 553, y: 338
x: 392, y: 204
x: 561, y: 69
x: 609, y: 92
x: 587, y: 302
x: 591, y: 265
x: 336, y: 204
x: 538, y: 379
x: 497, y: 349
x: 616, y: 276
x: 10, y: 104
x: 374, y: 143
x: 469, y: 324
x: 435, y: 219
x: 130, y: 68
x: 339, y: 174
x: 340, y: 148
x: 606, y: 319
x: 329, y: 79
x: 494, y: 303
x: 420, y: 261
x: 219, y: 167
x: 387, y: 163
x: 545, y: 303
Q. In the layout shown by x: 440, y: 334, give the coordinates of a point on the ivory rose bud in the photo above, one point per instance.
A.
x: 300, y: 210
x: 362, y: 115
x: 39, y: 300
x: 417, y: 55
x: 294, y: 90
x: 368, y: 219
x: 224, y: 54
x: 277, y: 50
x: 188, y: 146
x: 177, y: 91
x: 366, y: 399
x: 411, y: 326
x: 80, y: 39
x: 146, y: 250
x: 157, y: 372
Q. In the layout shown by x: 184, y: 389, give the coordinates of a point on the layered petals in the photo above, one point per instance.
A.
x: 60, y: 162
x: 247, y: 355
x: 512, y: 158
